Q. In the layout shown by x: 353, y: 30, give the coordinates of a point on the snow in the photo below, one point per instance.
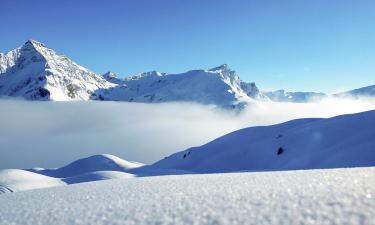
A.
x: 338, y: 196
x: 104, y: 162
x: 98, y: 167
x: 12, y: 180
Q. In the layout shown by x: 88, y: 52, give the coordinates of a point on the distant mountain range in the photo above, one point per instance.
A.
x: 284, y: 96
x: 35, y: 72
x: 368, y: 91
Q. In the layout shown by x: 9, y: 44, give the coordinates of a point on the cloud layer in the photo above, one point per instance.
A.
x: 52, y: 134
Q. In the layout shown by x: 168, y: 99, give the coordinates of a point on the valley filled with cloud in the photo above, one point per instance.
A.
x: 52, y: 134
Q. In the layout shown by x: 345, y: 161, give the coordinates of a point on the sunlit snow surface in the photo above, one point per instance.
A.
x: 337, y: 196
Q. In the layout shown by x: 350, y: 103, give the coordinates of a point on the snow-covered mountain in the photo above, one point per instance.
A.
x: 342, y: 141
x: 219, y: 86
x: 368, y: 91
x: 284, y: 96
x: 35, y: 72
x: 112, y: 78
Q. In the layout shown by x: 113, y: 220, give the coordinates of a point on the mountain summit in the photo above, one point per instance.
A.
x: 36, y: 72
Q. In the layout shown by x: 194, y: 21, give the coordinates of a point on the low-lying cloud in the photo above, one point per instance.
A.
x: 52, y: 134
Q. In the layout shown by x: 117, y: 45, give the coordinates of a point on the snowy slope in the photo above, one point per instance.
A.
x: 342, y: 141
x: 284, y: 96
x: 36, y: 72
x: 339, y: 196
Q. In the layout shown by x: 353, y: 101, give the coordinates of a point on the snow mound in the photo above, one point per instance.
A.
x: 93, y: 168
x: 342, y: 141
x: 104, y: 162
x: 337, y: 196
x: 12, y: 180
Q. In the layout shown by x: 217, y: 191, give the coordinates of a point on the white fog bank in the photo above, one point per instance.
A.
x: 52, y: 134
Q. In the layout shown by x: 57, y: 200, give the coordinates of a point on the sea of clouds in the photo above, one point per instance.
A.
x: 52, y: 134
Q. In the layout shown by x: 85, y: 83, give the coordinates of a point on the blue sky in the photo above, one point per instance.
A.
x: 320, y: 45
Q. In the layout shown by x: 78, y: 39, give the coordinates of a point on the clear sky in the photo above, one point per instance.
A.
x: 320, y: 45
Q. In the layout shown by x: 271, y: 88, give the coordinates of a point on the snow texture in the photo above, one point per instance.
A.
x: 337, y: 196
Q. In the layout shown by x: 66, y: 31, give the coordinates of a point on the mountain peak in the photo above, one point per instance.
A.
x: 110, y: 74
x: 153, y: 73
x: 34, y: 43
x: 221, y: 67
